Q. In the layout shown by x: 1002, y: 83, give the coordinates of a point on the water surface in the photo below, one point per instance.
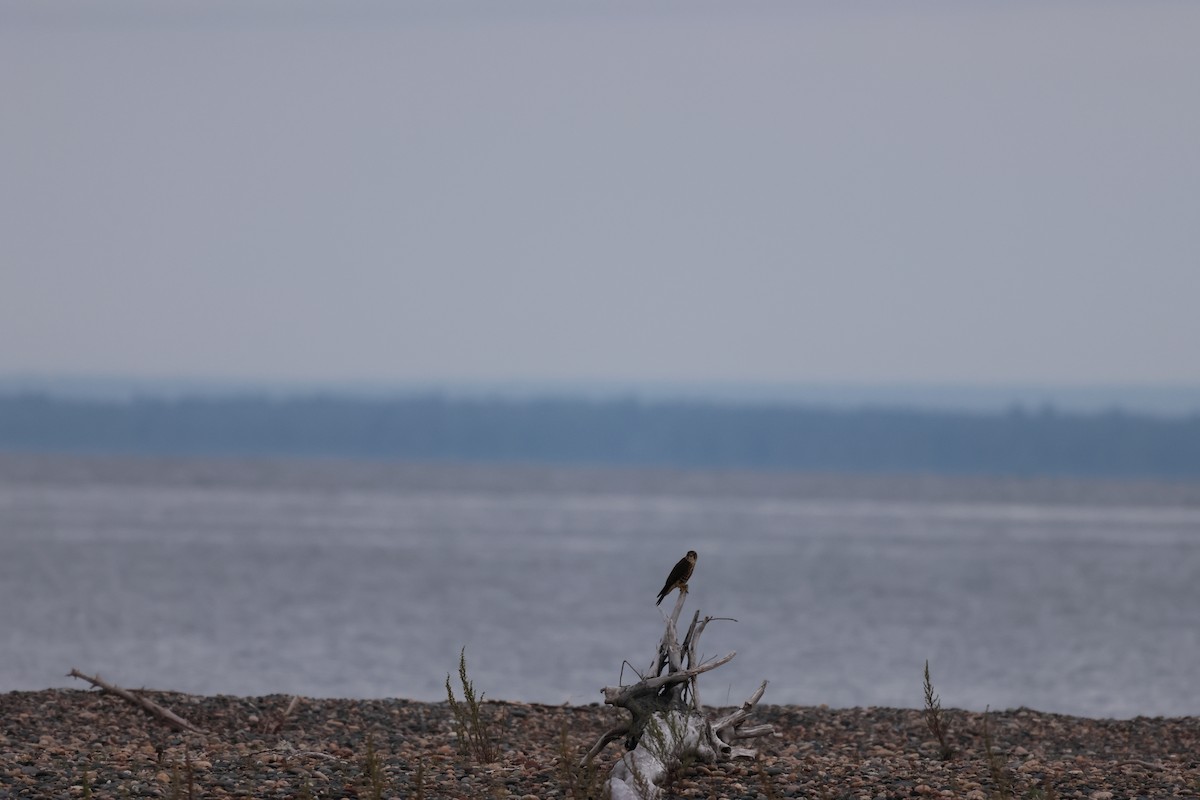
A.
x: 361, y: 579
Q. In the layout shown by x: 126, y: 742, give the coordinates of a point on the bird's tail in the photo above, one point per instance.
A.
x: 660, y: 599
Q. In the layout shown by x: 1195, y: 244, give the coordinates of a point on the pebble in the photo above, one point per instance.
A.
x: 50, y: 738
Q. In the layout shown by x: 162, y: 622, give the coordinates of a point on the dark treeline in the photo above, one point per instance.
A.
x: 627, y: 432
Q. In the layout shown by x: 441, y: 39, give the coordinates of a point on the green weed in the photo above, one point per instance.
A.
x: 374, y: 779
x: 935, y: 720
x: 474, y: 738
x: 1001, y: 779
x: 579, y: 782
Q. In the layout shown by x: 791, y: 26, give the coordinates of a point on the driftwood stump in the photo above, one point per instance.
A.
x: 667, y: 725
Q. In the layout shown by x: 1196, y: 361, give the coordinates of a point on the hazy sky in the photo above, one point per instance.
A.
x: 780, y: 192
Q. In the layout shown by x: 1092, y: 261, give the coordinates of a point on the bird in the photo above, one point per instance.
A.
x: 679, y: 575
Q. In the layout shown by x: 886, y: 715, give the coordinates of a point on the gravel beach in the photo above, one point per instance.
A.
x: 76, y: 743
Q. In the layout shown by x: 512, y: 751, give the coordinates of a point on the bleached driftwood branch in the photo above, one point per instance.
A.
x: 150, y: 707
x: 286, y: 750
x: 667, y: 724
x: 276, y: 725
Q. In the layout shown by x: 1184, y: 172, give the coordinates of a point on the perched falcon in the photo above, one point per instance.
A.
x: 679, y: 575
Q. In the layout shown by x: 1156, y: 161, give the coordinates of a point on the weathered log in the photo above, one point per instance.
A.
x: 150, y: 707
x: 667, y: 725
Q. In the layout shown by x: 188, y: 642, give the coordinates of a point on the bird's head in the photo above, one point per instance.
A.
x: 691, y: 555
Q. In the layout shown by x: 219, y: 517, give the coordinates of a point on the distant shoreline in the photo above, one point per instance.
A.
x: 1160, y: 400
x: 615, y: 432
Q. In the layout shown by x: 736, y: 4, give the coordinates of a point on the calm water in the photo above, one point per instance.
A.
x: 332, y: 578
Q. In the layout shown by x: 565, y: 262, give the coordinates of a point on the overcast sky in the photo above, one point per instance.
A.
x: 791, y: 192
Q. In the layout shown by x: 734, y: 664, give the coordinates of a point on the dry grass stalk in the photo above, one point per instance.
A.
x: 474, y: 737
x: 935, y: 719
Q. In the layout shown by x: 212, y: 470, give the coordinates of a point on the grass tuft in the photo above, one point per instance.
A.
x: 578, y: 782
x: 664, y: 738
x: 935, y: 720
x: 418, y: 781
x: 474, y: 738
x: 768, y: 786
x: 1045, y: 793
x: 374, y: 779
x: 1001, y: 779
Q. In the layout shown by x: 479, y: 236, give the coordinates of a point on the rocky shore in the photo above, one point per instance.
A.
x: 74, y: 743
